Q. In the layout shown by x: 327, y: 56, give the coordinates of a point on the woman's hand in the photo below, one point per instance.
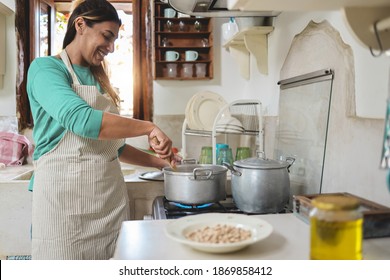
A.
x: 161, y: 144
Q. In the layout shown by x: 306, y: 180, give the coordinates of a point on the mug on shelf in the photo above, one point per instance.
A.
x: 169, y: 13
x: 187, y: 70
x: 200, y: 70
x: 172, y: 70
x: 171, y: 56
x: 191, y: 55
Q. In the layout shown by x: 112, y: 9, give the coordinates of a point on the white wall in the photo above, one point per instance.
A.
x: 371, y: 73
x: 7, y: 93
x: 7, y: 6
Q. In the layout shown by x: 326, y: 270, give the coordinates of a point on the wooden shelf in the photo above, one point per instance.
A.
x: 171, y: 38
x: 252, y: 40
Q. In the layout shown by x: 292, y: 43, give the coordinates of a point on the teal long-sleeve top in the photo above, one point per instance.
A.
x: 55, y: 107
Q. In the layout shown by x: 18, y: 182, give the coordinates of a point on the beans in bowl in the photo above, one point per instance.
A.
x: 219, y: 234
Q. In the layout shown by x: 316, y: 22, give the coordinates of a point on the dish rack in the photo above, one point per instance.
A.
x: 247, y: 111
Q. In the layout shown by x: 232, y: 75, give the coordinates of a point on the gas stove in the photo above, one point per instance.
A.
x: 163, y: 209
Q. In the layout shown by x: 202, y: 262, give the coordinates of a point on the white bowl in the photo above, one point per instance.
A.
x: 177, y: 229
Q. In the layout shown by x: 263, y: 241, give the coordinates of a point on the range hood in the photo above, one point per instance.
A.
x: 214, y: 8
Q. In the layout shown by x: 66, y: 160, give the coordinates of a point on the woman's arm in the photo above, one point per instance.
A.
x: 116, y: 127
x: 134, y: 156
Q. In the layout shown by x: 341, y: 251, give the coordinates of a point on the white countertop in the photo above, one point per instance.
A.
x: 146, y: 240
x: 10, y: 172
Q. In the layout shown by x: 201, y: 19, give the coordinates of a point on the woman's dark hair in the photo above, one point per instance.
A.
x: 92, y: 11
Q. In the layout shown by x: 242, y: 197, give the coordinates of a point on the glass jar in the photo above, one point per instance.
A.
x: 336, y: 228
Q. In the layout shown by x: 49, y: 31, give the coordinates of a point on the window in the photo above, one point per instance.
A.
x: 141, y: 91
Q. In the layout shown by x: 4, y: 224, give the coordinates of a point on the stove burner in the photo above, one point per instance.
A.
x: 164, y: 209
x: 186, y: 206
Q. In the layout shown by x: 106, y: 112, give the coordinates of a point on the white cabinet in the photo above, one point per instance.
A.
x: 252, y: 40
x: 248, y: 112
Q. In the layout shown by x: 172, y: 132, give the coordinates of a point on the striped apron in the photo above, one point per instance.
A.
x: 79, y: 197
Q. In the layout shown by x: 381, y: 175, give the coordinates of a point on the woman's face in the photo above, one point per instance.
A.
x: 97, y: 41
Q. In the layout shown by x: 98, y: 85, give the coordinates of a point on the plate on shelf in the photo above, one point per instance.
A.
x: 205, y: 108
x: 229, y: 129
x: 179, y: 229
x: 188, y: 113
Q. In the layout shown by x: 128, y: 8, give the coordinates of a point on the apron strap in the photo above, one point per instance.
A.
x: 65, y: 59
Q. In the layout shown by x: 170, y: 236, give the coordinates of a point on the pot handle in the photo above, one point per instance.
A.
x: 188, y: 161
x: 231, y: 168
x: 288, y: 159
x: 206, y: 173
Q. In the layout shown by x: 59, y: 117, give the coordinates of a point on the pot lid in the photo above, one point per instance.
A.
x: 261, y: 163
x: 188, y: 169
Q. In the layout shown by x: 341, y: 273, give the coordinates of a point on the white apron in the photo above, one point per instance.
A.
x: 79, y: 196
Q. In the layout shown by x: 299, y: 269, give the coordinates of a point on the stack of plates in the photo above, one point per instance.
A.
x: 229, y: 129
x: 202, y: 110
x: 229, y: 124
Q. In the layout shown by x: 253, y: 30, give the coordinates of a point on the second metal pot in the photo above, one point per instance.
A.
x: 260, y: 185
x: 195, y: 184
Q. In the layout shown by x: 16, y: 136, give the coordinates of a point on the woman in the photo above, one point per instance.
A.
x: 79, y: 195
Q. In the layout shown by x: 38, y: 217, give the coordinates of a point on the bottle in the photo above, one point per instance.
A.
x: 336, y: 228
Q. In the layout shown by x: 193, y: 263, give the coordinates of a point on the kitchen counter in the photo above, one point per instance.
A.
x: 146, y: 240
x: 9, y: 173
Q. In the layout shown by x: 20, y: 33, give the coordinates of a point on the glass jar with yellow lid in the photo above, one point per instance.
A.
x: 336, y: 228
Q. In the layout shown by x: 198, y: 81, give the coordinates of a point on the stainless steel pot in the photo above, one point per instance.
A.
x: 195, y: 184
x: 260, y: 185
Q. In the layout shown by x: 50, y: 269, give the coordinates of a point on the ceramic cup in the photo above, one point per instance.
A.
x: 172, y: 56
x: 191, y: 55
x: 169, y: 13
x: 171, y: 70
x: 187, y: 70
x: 200, y: 70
